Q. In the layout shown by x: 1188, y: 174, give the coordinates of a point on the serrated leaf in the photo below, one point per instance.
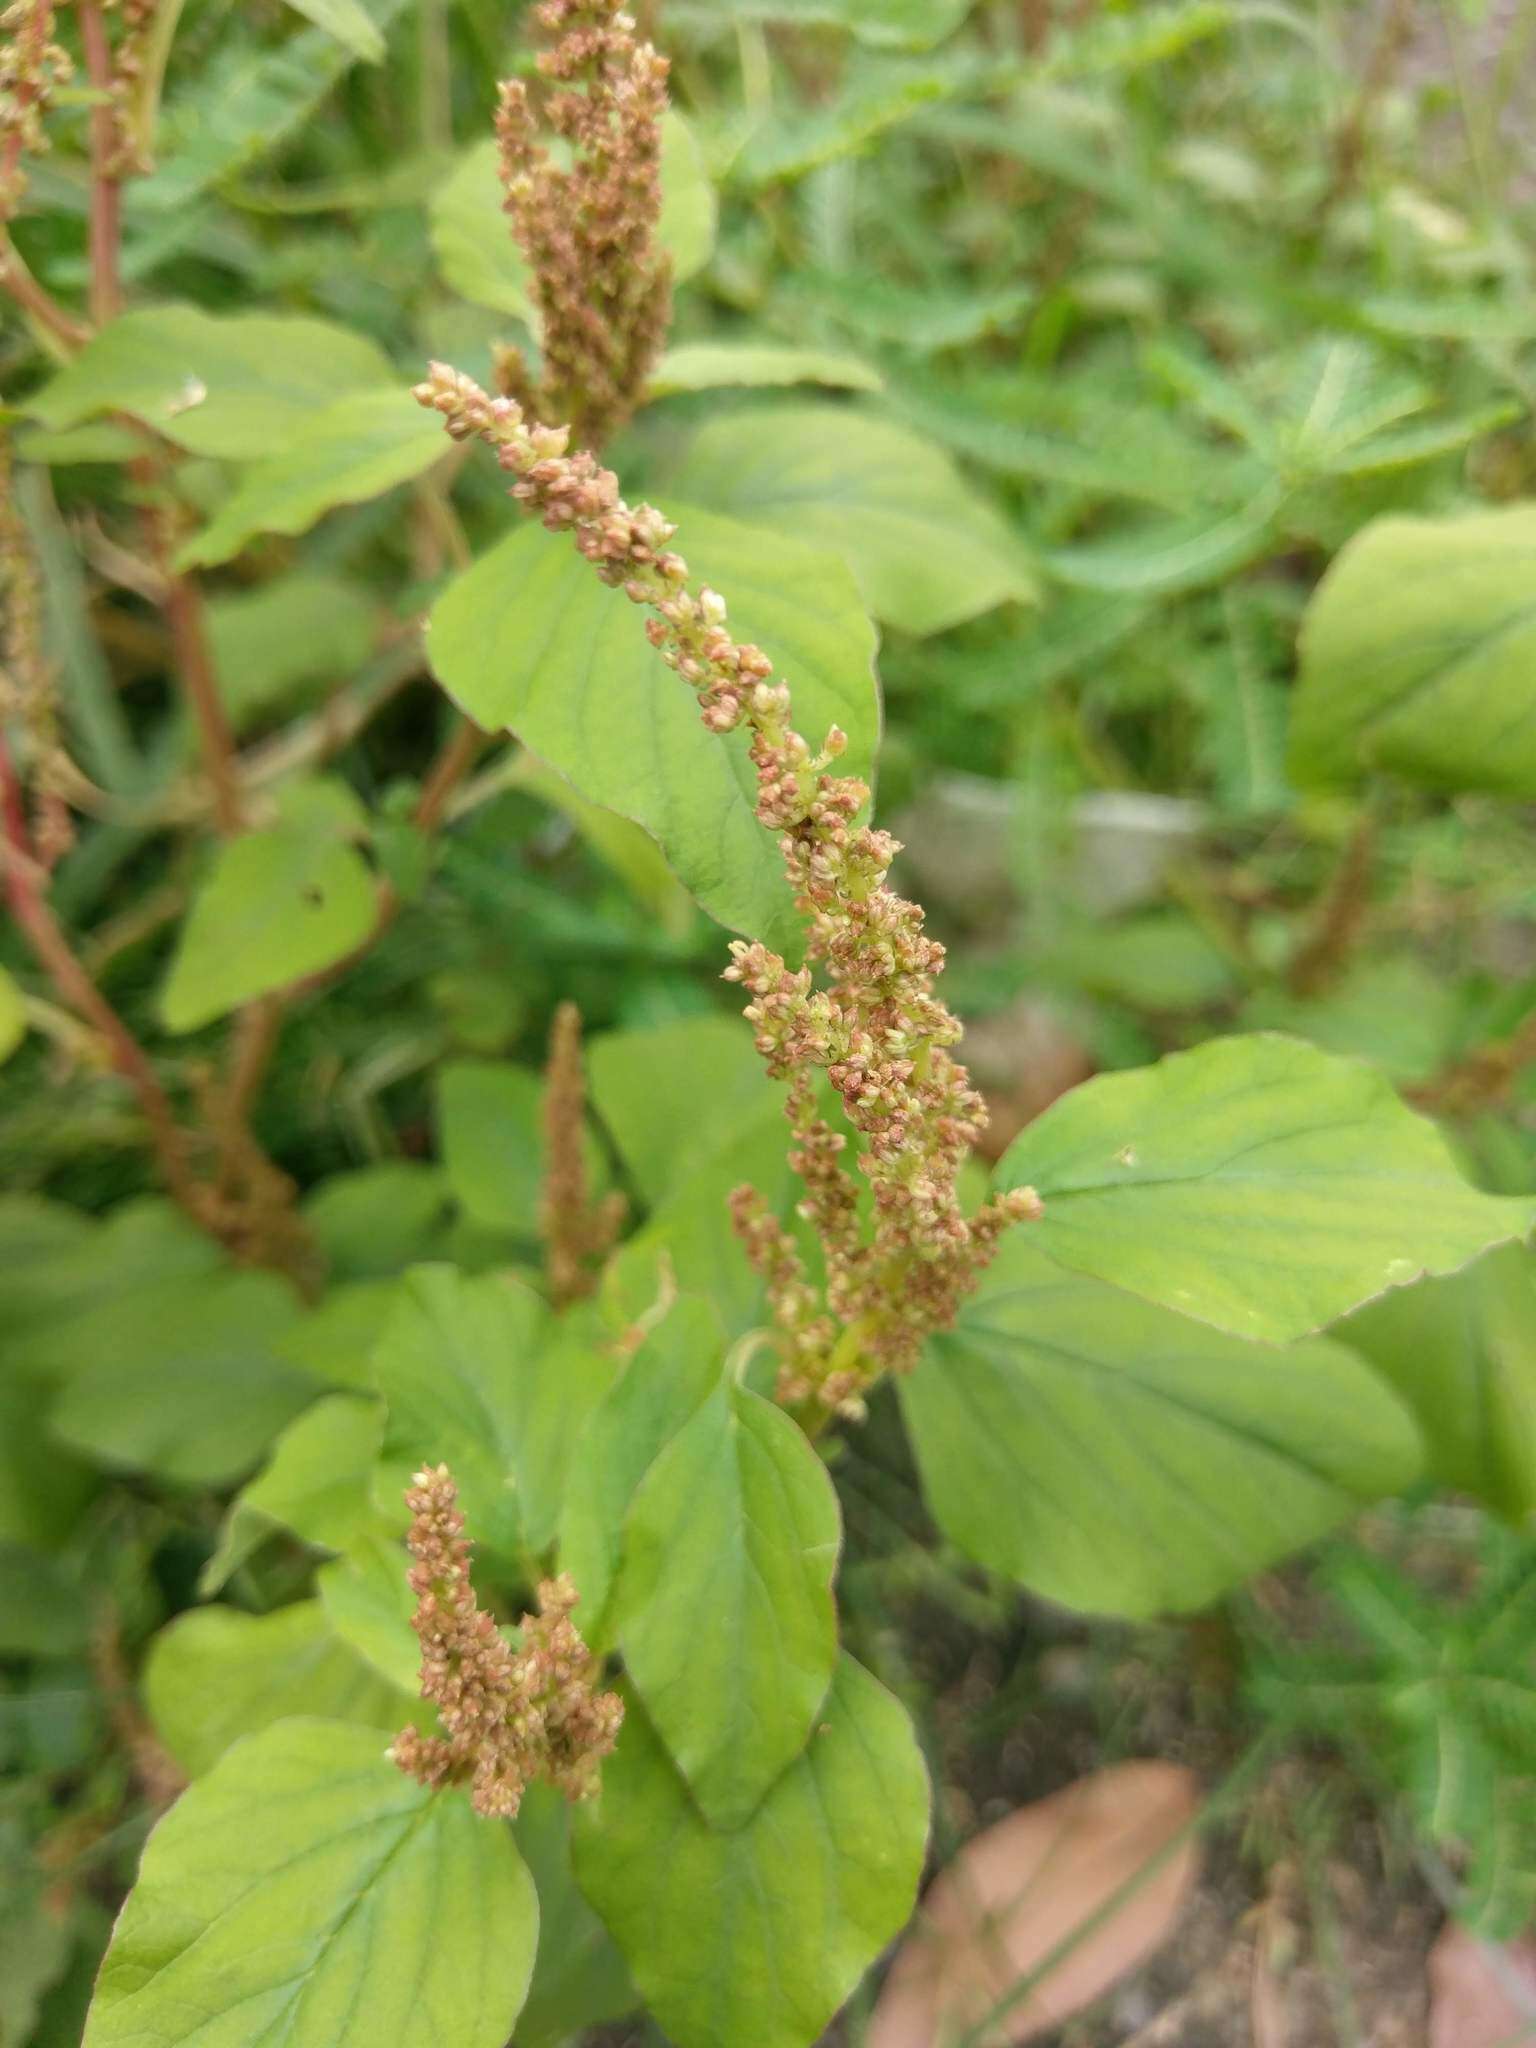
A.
x: 1254, y: 1183
x: 217, y: 1674
x: 927, y: 552
x: 1462, y: 1353
x: 529, y: 639
x: 752, y: 1938
x: 276, y: 905
x: 354, y: 449
x: 1118, y: 1458
x: 238, y: 385
x: 473, y: 237
x: 307, y: 1891
x: 452, y: 1367
x: 736, y: 1519
x: 1418, y: 654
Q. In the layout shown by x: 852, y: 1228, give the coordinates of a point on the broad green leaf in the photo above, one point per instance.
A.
x: 238, y: 385
x: 316, y: 1485
x: 375, y: 1220
x: 184, y: 1381
x: 1395, y: 1011
x: 452, y: 1367
x: 529, y: 639
x: 286, y: 641
x: 579, y: 1978
x: 473, y: 238
x: 664, y: 1383
x: 707, y: 365
x: 673, y: 1094
x: 559, y: 1390
x: 43, y: 1487
x: 926, y: 550
x: 490, y: 1131
x: 336, y: 1339
x: 13, y: 1016
x: 689, y: 1240
x: 217, y: 1674
x: 1462, y: 1353
x: 752, y: 1938
x: 354, y: 449
x: 1418, y: 654
x: 275, y: 906
x: 369, y: 1603
x: 1117, y: 1458
x: 348, y: 21
x: 58, y: 1269
x: 306, y: 1891
x: 1255, y: 1183
x: 736, y: 1520
x: 43, y: 1611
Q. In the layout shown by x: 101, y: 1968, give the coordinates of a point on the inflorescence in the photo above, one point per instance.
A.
x: 602, y: 291
x: 875, y: 1028
x: 511, y: 1715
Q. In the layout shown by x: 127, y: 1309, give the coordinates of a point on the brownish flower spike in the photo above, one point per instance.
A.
x: 602, y: 291
x: 875, y: 1027
x: 32, y: 66
x: 576, y: 1231
x: 510, y: 1716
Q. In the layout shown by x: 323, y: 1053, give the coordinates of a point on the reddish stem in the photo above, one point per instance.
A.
x: 106, y: 215
x: 46, y: 937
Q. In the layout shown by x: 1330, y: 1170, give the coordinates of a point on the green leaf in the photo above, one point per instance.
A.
x: 579, y: 1978
x: 239, y: 385
x: 348, y: 21
x: 276, y: 905
x: 369, y: 1603
x: 356, y: 448
x: 707, y: 365
x: 13, y: 1016
x: 926, y: 550
x: 278, y: 644
x: 316, y: 1485
x: 473, y: 238
x: 306, y: 1891
x: 559, y: 1389
x: 1117, y: 1458
x: 528, y: 638
x: 666, y: 1380
x: 377, y: 1219
x: 58, y: 1269
x: 671, y: 1096
x: 1462, y: 1353
x: 217, y: 1674
x: 452, y: 1367
x: 184, y: 1381
x: 876, y: 95
x: 43, y: 1612
x: 752, y: 1938
x: 490, y: 1127
x: 1418, y: 654
x: 1184, y: 554
x: 736, y: 1520
x: 43, y: 1487
x: 1255, y: 1183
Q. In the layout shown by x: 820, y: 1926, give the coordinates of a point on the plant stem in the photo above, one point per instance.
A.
x: 36, y: 300
x: 182, y: 604
x: 44, y: 934
x: 106, y: 214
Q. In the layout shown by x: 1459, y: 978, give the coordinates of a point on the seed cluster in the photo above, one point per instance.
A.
x: 602, y: 291
x: 576, y: 1230
x: 875, y: 1026
x: 511, y: 1715
x: 32, y: 67
x: 28, y: 678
